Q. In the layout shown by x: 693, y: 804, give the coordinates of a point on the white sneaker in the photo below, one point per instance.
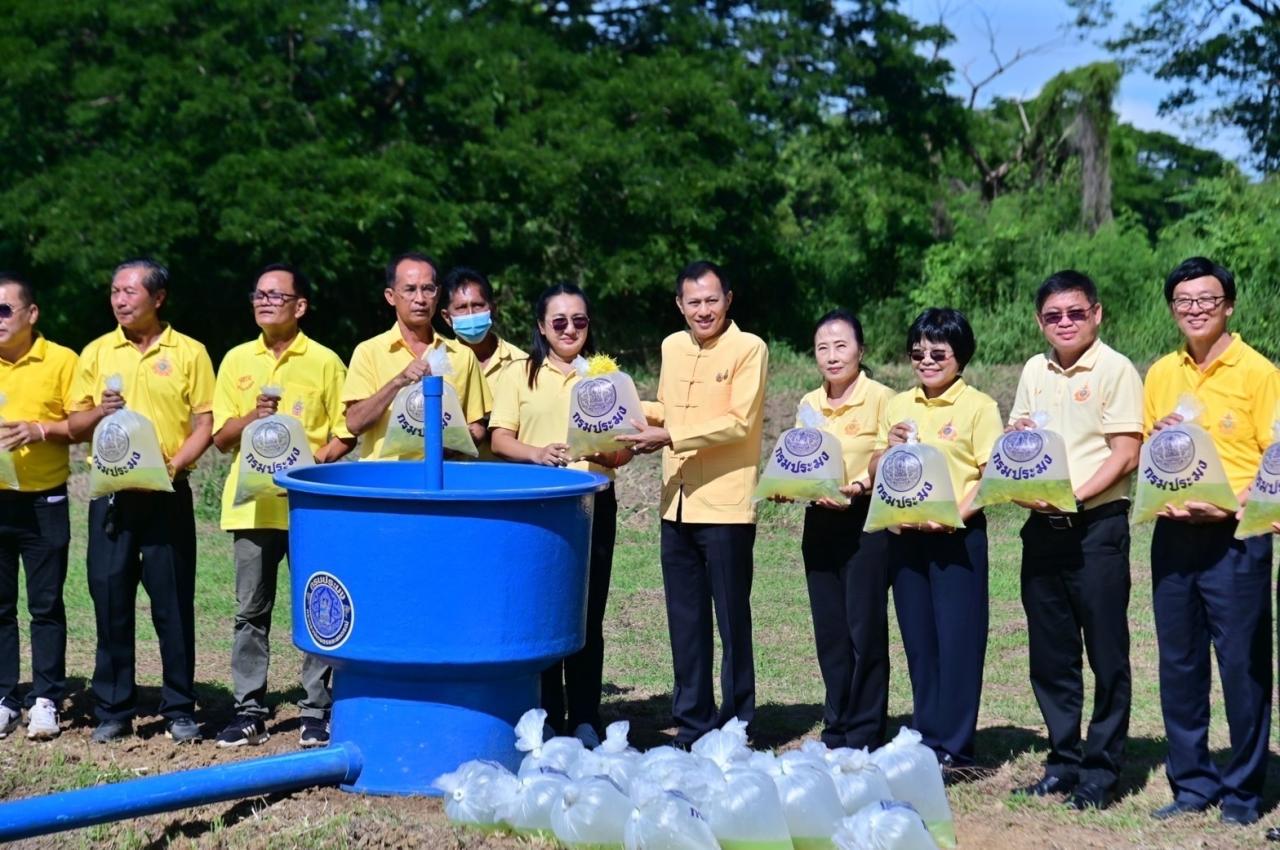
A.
x: 9, y: 720
x: 587, y: 736
x: 42, y: 721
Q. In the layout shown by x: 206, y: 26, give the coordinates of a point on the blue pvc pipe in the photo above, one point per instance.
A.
x: 433, y: 430
x: 340, y: 763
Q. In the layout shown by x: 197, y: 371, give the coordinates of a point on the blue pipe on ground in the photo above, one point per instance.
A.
x: 340, y: 763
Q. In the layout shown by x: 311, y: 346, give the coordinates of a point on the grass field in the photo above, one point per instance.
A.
x: 638, y: 676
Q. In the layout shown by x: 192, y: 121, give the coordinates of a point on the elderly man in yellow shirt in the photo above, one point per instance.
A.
x: 708, y: 420
x: 309, y: 377
x: 35, y: 379
x: 392, y: 360
x: 1207, y: 587
x: 145, y: 536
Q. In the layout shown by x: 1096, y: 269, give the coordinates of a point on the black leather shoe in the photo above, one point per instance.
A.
x: 1088, y: 795
x: 1273, y: 834
x: 112, y: 730
x: 1238, y: 815
x: 1177, y: 809
x: 1048, y: 785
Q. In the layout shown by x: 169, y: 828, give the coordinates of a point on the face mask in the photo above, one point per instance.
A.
x: 473, y: 327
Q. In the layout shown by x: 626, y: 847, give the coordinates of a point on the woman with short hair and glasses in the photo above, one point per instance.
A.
x: 529, y: 424
x: 939, y: 573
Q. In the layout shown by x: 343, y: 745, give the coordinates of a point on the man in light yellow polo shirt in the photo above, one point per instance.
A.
x: 708, y: 420
x: 382, y: 366
x: 1207, y: 587
x: 310, y: 378
x: 35, y: 379
x: 1075, y: 567
x: 145, y: 536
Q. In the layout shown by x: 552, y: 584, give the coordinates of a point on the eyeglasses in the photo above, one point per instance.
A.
x: 7, y: 310
x: 275, y: 299
x: 1075, y: 316
x: 937, y: 355
x: 560, y: 323
x: 1204, y: 302
x: 427, y: 289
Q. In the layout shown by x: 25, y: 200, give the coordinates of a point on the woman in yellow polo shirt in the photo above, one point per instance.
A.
x: 529, y: 424
x: 846, y: 569
x: 939, y: 574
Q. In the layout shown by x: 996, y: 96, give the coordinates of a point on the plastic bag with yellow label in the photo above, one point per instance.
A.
x: 602, y: 407
x: 1028, y: 466
x: 912, y: 486
x: 1263, y: 506
x: 269, y: 445
x: 806, y: 463
x: 8, y: 470
x: 126, y: 453
x: 1180, y: 464
x: 405, y: 428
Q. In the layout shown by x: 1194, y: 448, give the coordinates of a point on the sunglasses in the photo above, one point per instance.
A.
x: 1075, y: 316
x: 7, y: 310
x: 561, y: 323
x: 937, y: 355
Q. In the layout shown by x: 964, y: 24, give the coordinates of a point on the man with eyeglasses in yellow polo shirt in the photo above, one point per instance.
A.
x: 35, y: 378
x: 143, y: 536
x: 382, y: 366
x: 708, y: 420
x: 309, y: 377
x: 1207, y: 588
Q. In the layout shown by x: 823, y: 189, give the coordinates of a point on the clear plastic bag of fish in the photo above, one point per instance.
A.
x: 806, y: 463
x: 275, y: 443
x: 558, y: 753
x: 475, y: 792
x: 725, y: 746
x: 810, y: 802
x: 914, y: 777
x: 614, y: 758
x: 698, y: 778
x: 859, y: 782
x: 746, y: 813
x: 666, y: 820
x: 405, y: 428
x: 8, y: 469
x: 591, y: 814
x: 1028, y: 466
x: 912, y: 486
x: 601, y: 408
x: 1262, y: 508
x: 884, y: 825
x: 126, y: 453
x: 528, y: 810
x: 1180, y: 464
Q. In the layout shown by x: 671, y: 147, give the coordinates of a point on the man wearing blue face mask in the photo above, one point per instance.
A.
x: 469, y: 311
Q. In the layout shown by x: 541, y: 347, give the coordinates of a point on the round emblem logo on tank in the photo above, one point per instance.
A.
x: 328, y: 609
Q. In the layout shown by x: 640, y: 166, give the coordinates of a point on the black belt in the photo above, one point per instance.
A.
x: 1062, y: 522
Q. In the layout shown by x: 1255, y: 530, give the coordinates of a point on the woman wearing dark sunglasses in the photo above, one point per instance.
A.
x: 939, y: 574
x: 529, y: 424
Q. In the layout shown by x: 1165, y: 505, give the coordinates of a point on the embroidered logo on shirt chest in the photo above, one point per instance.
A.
x: 162, y: 367
x: 1227, y: 425
x: 297, y: 408
x: 852, y: 429
x: 1082, y: 395
x: 947, y: 432
x: 244, y: 382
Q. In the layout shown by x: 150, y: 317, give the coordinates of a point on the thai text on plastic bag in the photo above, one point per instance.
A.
x: 1180, y: 464
x: 602, y: 406
x: 806, y: 463
x: 1262, y: 508
x: 528, y: 810
x: 591, y: 813
x: 405, y: 426
x: 666, y: 820
x: 613, y: 758
x: 1028, y: 466
x: 886, y: 825
x: 559, y: 753
x: 859, y: 782
x: 747, y: 813
x: 269, y: 445
x: 126, y: 453
x: 912, y: 485
x: 809, y: 801
x: 8, y: 469
x: 914, y: 776
x: 474, y: 793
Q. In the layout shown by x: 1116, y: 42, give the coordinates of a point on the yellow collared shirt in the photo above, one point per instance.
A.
x: 311, y: 377
x: 168, y: 383
x: 38, y: 388
x: 1100, y: 395
x: 855, y: 423
x: 376, y: 361
x: 963, y: 423
x: 1239, y: 391
x: 711, y: 401
x: 538, y: 416
x: 503, y: 356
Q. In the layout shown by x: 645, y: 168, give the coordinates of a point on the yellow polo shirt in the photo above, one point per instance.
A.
x: 855, y: 423
x: 963, y: 423
x: 1100, y: 395
x: 311, y: 377
x: 711, y: 401
x: 38, y: 388
x: 1239, y: 391
x: 503, y: 356
x: 168, y: 384
x: 376, y: 361
x: 538, y: 416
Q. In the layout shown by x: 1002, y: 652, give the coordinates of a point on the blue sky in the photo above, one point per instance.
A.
x: 1045, y: 24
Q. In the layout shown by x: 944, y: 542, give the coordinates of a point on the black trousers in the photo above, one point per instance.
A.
x: 149, y: 538
x: 705, y: 564
x: 1209, y: 588
x: 36, y: 528
x: 576, y: 682
x: 1075, y: 590
x: 940, y: 596
x: 847, y: 574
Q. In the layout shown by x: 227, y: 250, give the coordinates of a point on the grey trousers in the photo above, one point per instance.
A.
x: 258, y: 554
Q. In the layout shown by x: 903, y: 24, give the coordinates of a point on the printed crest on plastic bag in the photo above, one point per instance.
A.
x: 127, y: 456
x: 806, y: 464
x: 1177, y: 465
x: 269, y: 445
x: 912, y: 485
x: 601, y: 409
x: 405, y: 427
x: 1028, y: 466
x: 1263, y: 505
